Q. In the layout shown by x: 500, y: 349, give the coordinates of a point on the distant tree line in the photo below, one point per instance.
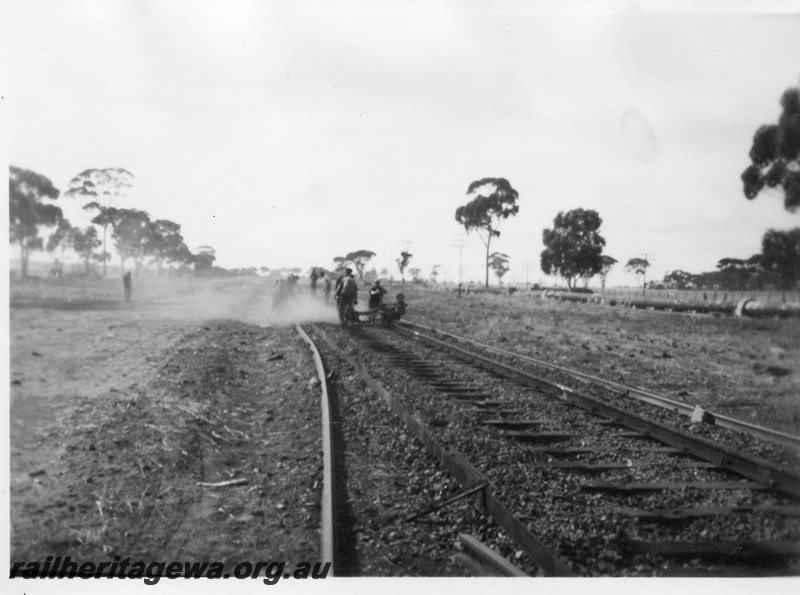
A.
x: 777, y: 266
x: 137, y: 238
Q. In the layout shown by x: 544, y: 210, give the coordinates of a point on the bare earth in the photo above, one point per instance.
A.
x: 118, y: 411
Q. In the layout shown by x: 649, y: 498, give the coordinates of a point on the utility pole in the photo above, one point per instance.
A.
x: 460, y: 242
x: 644, y: 275
x: 644, y: 272
x: 527, y: 273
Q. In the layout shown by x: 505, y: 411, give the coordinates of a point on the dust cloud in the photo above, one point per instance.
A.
x: 302, y: 310
x: 253, y: 301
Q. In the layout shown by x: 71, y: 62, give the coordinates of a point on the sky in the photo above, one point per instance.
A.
x: 284, y: 134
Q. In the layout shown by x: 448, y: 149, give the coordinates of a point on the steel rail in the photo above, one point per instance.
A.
x: 747, y: 466
x: 487, y: 562
x: 640, y: 394
x: 328, y: 537
x: 463, y: 471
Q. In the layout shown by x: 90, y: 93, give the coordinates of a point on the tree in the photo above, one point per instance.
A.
x: 106, y: 217
x: 204, y: 259
x: 677, y: 279
x: 84, y: 242
x: 103, y: 186
x: 359, y: 258
x: 638, y: 266
x: 402, y: 263
x: 573, y: 248
x: 498, y: 262
x: 182, y: 256
x: 435, y: 272
x: 133, y: 236
x: 167, y: 242
x: 414, y: 274
x: 27, y: 213
x: 60, y: 238
x: 607, y: 263
x: 780, y: 253
x: 734, y: 273
x: 339, y: 262
x: 485, y: 211
x: 775, y: 154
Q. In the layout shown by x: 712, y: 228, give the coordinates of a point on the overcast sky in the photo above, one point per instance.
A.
x: 287, y: 133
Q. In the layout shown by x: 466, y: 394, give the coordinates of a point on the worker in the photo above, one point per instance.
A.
x: 348, y: 298
x: 126, y: 285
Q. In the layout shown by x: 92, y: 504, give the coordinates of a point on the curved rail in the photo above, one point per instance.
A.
x: 723, y: 421
x: 463, y: 471
x: 327, y: 528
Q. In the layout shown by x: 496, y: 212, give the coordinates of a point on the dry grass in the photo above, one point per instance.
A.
x: 746, y: 368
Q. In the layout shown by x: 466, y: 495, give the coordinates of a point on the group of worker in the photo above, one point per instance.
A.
x: 346, y: 292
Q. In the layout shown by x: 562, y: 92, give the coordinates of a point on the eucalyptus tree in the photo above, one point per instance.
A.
x: 638, y: 266
x: 204, y: 259
x: 27, y: 213
x: 359, y: 258
x: 103, y: 187
x: 60, y: 238
x: 677, y: 279
x: 84, y: 243
x: 166, y: 242
x: 775, y: 154
x: 133, y: 236
x: 340, y: 263
x: 574, y: 246
x: 493, y: 200
x: 607, y: 264
x: 402, y: 264
x: 780, y: 254
x: 498, y: 262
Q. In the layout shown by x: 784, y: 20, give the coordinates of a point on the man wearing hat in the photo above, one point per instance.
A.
x: 346, y: 295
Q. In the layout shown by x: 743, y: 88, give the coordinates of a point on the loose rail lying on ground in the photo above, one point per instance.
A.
x: 327, y: 530
x: 745, y: 307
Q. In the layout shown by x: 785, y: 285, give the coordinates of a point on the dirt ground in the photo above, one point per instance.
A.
x: 119, y: 411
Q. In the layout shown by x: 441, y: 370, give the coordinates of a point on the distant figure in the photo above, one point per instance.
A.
x: 348, y: 298
x: 126, y: 284
x: 376, y: 293
x: 394, y: 313
x: 337, y: 290
x: 314, y: 278
x: 326, y: 286
x: 284, y: 293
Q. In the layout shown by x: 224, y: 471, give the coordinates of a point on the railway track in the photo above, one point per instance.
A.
x: 724, y: 421
x: 582, y: 480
